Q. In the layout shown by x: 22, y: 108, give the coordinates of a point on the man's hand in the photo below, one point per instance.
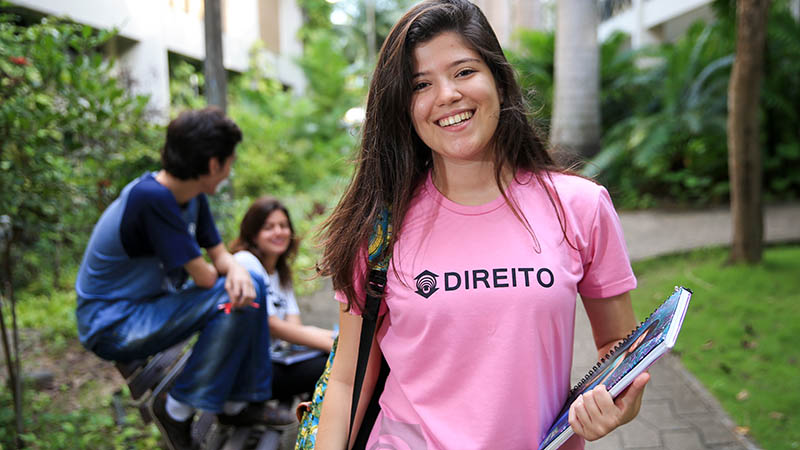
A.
x: 595, y: 414
x: 239, y: 285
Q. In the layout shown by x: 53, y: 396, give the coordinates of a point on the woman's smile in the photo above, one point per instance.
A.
x: 455, y: 119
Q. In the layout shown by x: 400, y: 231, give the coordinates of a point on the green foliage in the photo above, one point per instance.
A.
x: 739, y: 335
x: 664, y: 110
x: 80, y: 414
x: 672, y: 142
x: 69, y: 134
x: 533, y: 61
x: 186, y: 82
x: 780, y: 100
x: 316, y: 15
x: 294, y: 147
x: 49, y: 425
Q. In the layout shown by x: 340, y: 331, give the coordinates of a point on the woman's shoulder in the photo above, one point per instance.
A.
x: 248, y: 260
x: 570, y: 189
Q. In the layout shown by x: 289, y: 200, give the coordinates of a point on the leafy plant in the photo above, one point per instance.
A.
x: 65, y: 126
x: 673, y: 143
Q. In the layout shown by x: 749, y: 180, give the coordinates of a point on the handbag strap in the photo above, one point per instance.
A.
x: 379, y: 255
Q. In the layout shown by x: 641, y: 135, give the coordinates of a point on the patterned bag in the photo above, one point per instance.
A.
x: 309, y: 422
x: 307, y: 432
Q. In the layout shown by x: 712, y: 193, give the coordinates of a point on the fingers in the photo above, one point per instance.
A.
x: 577, y: 425
x: 630, y: 400
x: 594, y: 414
x: 240, y: 288
x: 234, y: 292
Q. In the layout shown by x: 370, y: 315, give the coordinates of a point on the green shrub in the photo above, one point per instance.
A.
x: 70, y: 134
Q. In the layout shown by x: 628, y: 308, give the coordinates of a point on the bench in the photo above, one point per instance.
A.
x: 147, y: 378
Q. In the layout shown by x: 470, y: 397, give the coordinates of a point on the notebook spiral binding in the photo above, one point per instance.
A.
x: 604, y: 361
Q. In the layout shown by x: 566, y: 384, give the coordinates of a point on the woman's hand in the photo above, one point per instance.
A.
x: 595, y: 414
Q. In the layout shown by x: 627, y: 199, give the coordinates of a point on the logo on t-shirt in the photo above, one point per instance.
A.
x: 426, y: 283
x: 503, y: 277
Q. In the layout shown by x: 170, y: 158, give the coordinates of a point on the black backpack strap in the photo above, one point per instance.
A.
x: 376, y: 284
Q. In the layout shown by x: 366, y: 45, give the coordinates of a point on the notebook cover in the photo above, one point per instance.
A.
x: 293, y: 354
x: 649, y: 341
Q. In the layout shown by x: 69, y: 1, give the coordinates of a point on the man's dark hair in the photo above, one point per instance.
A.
x: 196, y: 136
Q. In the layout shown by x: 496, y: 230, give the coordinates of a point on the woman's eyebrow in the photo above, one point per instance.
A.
x: 454, y: 63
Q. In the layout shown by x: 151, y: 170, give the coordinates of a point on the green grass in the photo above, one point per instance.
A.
x: 740, y: 335
x: 72, y: 414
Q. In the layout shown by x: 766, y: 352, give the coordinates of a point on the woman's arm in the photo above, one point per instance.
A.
x: 335, y: 417
x: 292, y: 330
x: 595, y: 414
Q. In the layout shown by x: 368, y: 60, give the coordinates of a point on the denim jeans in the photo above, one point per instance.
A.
x: 230, y: 360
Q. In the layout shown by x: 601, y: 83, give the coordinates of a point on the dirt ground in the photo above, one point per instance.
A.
x: 67, y: 372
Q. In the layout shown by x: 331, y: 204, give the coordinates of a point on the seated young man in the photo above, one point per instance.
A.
x: 144, y: 286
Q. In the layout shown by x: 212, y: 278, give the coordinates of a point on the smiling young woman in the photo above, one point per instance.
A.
x: 266, y: 245
x: 492, y: 243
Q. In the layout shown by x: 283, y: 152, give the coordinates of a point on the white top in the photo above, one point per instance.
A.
x: 280, y: 302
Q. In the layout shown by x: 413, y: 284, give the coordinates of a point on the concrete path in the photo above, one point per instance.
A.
x: 678, y: 413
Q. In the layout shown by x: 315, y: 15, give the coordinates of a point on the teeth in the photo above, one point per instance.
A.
x: 454, y: 119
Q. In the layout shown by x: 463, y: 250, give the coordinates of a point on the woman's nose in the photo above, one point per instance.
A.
x: 447, y: 93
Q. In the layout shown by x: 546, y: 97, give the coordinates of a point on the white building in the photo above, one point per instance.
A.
x: 149, y: 30
x: 646, y: 21
x: 651, y: 21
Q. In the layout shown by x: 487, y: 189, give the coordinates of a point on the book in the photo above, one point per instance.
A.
x: 654, y: 337
x: 292, y: 354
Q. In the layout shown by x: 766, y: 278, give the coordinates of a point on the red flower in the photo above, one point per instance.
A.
x: 19, y: 60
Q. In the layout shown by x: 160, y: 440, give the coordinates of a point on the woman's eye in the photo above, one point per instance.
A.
x: 465, y: 72
x: 421, y: 85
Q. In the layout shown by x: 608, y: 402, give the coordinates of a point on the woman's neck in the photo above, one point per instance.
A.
x: 270, y: 263
x: 468, y: 183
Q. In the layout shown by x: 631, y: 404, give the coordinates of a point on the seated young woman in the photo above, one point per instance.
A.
x: 267, y: 243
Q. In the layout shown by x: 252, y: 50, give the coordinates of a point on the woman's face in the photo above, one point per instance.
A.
x: 274, y: 237
x: 455, y: 104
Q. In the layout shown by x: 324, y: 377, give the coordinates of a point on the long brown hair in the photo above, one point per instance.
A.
x: 393, y: 160
x: 251, y: 224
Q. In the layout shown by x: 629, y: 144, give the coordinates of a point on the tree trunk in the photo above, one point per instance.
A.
x: 575, y: 130
x: 11, y: 343
x: 744, y: 147
x: 216, y: 79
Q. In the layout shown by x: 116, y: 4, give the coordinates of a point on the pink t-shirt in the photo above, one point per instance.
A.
x: 480, y: 320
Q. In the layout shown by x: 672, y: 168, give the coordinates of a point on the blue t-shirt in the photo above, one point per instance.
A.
x: 141, y: 242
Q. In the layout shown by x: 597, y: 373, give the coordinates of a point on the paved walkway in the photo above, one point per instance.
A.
x: 678, y: 413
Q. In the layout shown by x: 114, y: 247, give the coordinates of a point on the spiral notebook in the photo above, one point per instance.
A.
x: 648, y: 342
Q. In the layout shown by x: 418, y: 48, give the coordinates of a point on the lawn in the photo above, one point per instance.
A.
x: 739, y: 334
